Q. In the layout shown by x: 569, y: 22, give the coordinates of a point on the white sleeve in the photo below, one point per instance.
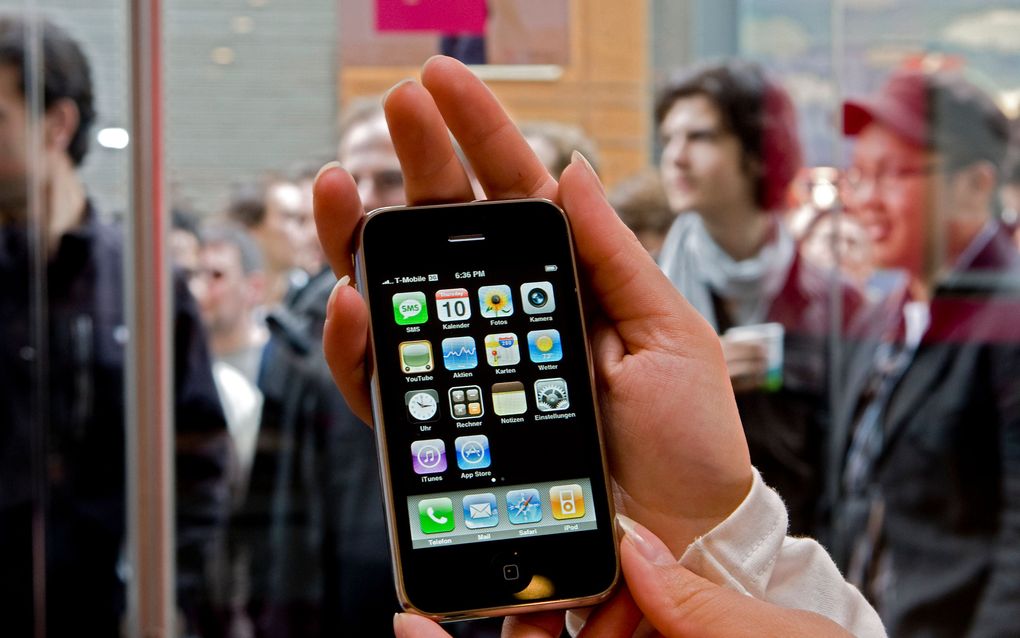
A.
x: 751, y: 553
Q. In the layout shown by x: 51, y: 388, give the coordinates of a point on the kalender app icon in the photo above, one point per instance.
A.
x: 537, y: 298
x: 501, y: 349
x: 435, y: 515
x: 428, y: 456
x: 495, y: 301
x: 567, y: 501
x: 523, y: 507
x: 453, y: 304
x: 416, y: 356
x: 480, y: 510
x: 544, y: 346
x: 551, y: 395
x: 472, y: 452
x: 466, y: 402
x: 409, y: 308
x: 459, y: 353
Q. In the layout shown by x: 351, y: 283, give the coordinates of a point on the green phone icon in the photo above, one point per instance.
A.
x: 409, y: 308
x: 435, y: 515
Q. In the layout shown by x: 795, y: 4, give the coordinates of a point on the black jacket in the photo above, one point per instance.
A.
x: 943, y: 497
x: 79, y: 413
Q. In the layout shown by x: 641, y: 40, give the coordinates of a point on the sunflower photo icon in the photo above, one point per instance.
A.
x: 495, y: 301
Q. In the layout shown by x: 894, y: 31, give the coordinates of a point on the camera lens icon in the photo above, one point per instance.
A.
x: 537, y: 297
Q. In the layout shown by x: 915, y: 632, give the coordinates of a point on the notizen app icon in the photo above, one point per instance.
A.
x: 480, y: 510
x: 544, y: 346
x: 428, y: 456
x: 459, y: 353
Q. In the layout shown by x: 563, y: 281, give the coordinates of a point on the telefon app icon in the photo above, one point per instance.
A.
x: 508, y: 398
x: 537, y: 298
x: 435, y: 515
x: 428, y: 456
x: 495, y: 301
x: 409, y: 308
x: 472, y: 452
x: 544, y: 346
x: 567, y: 501
x: 480, y: 511
x: 551, y: 395
x: 501, y: 349
x: 416, y: 356
x: 453, y: 304
x: 523, y: 507
x: 459, y: 353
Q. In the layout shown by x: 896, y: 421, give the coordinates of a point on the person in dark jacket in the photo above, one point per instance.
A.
x: 730, y: 152
x: 62, y: 394
x: 926, y: 443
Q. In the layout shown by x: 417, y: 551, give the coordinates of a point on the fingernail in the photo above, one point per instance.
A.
x: 647, y: 544
x: 393, y: 88
x: 578, y: 158
x: 326, y: 167
x: 346, y: 279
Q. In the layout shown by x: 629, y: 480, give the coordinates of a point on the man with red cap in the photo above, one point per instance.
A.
x: 925, y: 491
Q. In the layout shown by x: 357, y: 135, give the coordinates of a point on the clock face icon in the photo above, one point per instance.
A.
x: 422, y: 405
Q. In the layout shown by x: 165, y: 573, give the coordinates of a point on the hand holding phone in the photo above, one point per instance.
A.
x: 676, y: 448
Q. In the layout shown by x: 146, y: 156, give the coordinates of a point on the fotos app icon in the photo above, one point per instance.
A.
x: 495, y: 301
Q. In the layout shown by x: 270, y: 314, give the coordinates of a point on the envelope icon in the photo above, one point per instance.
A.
x: 480, y: 510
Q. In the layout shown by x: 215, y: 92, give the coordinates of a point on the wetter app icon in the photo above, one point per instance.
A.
x: 459, y: 353
x: 409, y: 308
x: 544, y: 346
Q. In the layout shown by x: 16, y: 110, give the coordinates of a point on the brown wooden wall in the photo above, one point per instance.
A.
x: 605, y: 88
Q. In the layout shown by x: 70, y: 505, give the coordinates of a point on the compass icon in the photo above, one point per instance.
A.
x: 523, y: 507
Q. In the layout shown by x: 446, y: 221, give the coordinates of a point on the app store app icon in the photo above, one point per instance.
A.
x: 472, y: 452
x: 480, y: 510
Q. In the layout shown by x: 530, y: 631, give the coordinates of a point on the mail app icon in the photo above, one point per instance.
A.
x: 480, y: 511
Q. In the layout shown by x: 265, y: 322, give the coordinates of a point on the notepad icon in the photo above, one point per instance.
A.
x: 509, y: 398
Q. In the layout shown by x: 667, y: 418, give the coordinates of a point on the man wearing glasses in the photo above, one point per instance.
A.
x: 926, y: 444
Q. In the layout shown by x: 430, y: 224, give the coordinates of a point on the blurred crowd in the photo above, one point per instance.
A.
x: 867, y: 314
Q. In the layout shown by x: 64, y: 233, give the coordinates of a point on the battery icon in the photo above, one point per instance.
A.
x: 551, y: 268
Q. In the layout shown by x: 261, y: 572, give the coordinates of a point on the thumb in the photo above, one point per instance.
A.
x: 679, y: 603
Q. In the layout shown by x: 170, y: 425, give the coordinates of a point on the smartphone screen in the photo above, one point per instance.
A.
x: 484, y: 408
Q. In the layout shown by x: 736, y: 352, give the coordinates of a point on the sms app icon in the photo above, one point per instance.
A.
x: 409, y: 308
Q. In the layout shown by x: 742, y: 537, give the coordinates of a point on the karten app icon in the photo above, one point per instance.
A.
x: 567, y: 501
x: 409, y: 308
x: 544, y: 346
x: 508, y: 398
x: 472, y: 452
x: 501, y: 349
x: 466, y: 402
x: 551, y: 395
x: 453, y: 304
x: 428, y: 456
x: 537, y: 298
x: 495, y: 301
x: 416, y: 356
x: 459, y: 353
x: 480, y: 510
x: 435, y: 515
x: 523, y: 507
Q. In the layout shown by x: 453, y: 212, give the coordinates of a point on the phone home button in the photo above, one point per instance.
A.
x: 511, y: 573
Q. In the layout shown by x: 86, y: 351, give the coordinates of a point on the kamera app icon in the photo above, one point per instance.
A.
x: 480, y: 510
x: 551, y: 395
x: 416, y: 356
x: 544, y: 346
x: 409, y: 308
x: 537, y: 298
x: 567, y: 501
x: 495, y: 301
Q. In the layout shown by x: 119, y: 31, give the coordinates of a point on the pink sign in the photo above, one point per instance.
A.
x: 441, y: 16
